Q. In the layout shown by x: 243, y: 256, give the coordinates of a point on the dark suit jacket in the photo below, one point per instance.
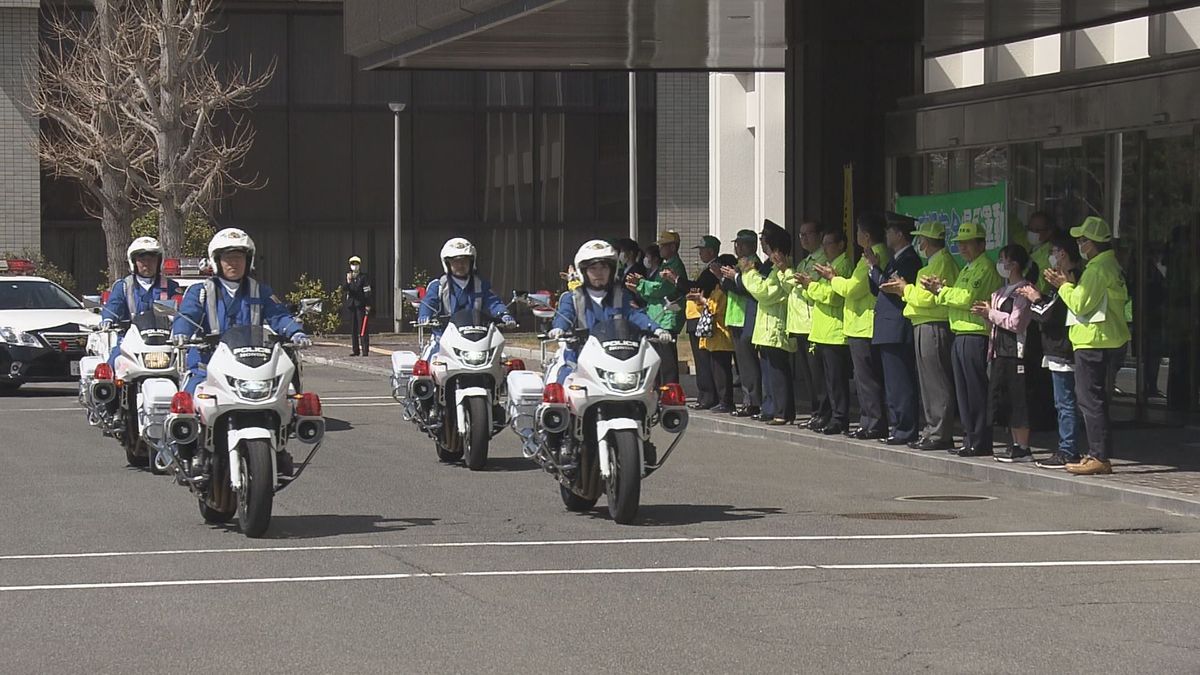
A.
x: 890, y: 325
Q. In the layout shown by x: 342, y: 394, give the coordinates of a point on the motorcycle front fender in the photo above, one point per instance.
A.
x: 603, y: 428
x: 460, y: 396
x: 234, y: 439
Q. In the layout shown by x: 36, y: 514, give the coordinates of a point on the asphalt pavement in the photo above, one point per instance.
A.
x: 748, y: 556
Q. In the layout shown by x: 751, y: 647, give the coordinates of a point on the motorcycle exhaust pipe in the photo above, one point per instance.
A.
x: 310, y: 430
x: 103, y: 391
x: 422, y: 389
x: 674, y: 421
x: 554, y: 420
x: 183, y: 429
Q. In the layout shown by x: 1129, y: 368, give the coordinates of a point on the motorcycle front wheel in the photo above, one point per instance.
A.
x: 624, y: 485
x: 258, y: 488
x: 574, y: 502
x: 478, y: 434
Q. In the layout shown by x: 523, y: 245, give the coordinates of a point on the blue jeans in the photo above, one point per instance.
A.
x: 1068, y: 413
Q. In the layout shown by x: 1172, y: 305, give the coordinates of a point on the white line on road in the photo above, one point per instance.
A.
x: 360, y: 405
x: 558, y: 542
x: 355, y: 398
x: 11, y: 410
x: 389, y: 403
x: 594, y: 571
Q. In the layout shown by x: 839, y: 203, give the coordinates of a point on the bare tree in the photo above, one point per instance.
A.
x: 78, y: 90
x: 180, y: 104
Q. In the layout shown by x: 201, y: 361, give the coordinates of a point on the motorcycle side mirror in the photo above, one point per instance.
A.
x: 165, y: 308
x: 311, y: 306
x: 95, y: 310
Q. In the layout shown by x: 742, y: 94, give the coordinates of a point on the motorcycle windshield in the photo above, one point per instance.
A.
x: 471, y: 325
x: 250, y: 345
x: 618, y: 337
x: 155, y: 329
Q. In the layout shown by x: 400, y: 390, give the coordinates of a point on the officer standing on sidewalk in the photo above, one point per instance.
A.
x: 359, y: 295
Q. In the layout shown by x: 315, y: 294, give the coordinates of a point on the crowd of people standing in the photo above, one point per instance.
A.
x: 929, y: 327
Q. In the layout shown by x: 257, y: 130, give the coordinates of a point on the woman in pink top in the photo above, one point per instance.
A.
x: 1009, y: 313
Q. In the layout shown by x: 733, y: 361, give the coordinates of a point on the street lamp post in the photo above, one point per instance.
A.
x: 397, y: 270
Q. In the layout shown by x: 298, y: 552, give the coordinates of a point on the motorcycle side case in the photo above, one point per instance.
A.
x: 402, y: 367
x: 524, y: 397
x: 155, y: 395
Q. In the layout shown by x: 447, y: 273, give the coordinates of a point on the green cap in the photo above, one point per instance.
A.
x: 747, y: 236
x: 1093, y: 228
x: 968, y: 231
x: 933, y: 229
x: 709, y: 241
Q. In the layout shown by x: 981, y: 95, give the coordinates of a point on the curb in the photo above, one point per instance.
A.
x: 1030, y: 478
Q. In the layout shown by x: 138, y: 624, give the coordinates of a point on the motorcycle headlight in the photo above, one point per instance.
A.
x: 157, y: 360
x: 474, y: 358
x: 622, y: 381
x: 20, y: 338
x: 253, y: 390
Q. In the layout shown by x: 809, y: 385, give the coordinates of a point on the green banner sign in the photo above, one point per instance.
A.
x: 987, y: 207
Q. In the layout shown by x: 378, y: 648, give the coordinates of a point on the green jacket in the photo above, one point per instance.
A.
x: 1041, y: 256
x: 827, y: 306
x: 662, y: 297
x: 770, y: 324
x: 859, y: 316
x: 920, y: 306
x: 976, y: 283
x: 735, y: 310
x: 800, y: 311
x: 1100, y: 288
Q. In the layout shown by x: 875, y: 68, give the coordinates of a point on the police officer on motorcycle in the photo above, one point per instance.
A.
x: 459, y: 288
x: 230, y: 298
x: 598, y: 299
x: 137, y: 292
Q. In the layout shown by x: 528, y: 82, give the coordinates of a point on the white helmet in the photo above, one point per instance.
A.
x: 456, y: 248
x: 594, y: 250
x: 143, y: 245
x: 230, y: 239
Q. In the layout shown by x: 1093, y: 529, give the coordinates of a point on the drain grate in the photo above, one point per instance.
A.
x: 945, y: 498
x: 887, y: 515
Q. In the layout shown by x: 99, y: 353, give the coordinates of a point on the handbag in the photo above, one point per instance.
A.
x: 704, y: 324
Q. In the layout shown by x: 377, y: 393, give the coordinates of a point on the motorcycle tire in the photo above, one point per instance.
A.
x: 258, y: 488
x: 479, y: 433
x: 574, y: 502
x: 624, y: 485
x: 218, y: 506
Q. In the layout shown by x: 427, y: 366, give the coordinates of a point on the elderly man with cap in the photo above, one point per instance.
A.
x: 698, y: 292
x: 359, y: 295
x: 775, y: 345
x: 663, y: 293
x: 969, y: 357
x: 1099, y: 335
x: 931, y: 335
x: 741, y: 312
x: 800, y: 320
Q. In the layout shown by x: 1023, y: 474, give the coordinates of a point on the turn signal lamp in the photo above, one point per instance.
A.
x: 672, y: 394
x: 309, y: 405
x: 554, y: 393
x: 181, y: 403
x: 515, y: 364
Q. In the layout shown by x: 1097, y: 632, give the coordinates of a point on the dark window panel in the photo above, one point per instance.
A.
x: 252, y: 41
x: 1094, y: 10
x: 377, y: 88
x: 320, y: 70
x: 444, y: 154
x: 444, y: 89
x: 374, y: 182
x: 506, y: 89
x: 320, y: 168
x: 267, y: 161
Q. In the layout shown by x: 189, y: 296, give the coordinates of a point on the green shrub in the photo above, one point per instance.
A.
x: 197, y: 232
x: 329, y: 319
x: 420, y: 277
x: 45, y: 268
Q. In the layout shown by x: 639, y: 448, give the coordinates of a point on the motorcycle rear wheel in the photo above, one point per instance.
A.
x: 217, y: 505
x: 479, y: 433
x: 624, y: 485
x: 258, y: 488
x: 574, y: 502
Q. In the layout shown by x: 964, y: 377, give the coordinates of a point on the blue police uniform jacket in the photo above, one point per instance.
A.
x: 566, y: 317
x: 235, y: 311
x: 117, y: 307
x: 460, y: 299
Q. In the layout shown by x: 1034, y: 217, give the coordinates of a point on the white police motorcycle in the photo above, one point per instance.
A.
x: 593, y: 432
x: 454, y: 393
x: 229, y: 441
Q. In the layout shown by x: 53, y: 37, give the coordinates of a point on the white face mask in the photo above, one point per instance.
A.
x: 647, y: 262
x: 1002, y: 269
x: 1084, y: 254
x: 1034, y: 238
x: 354, y: 267
x: 1053, y: 261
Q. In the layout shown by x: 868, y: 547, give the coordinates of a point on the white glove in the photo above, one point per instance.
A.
x: 556, y: 333
x: 106, y: 324
x: 664, y: 336
x: 508, y: 321
x: 301, y: 340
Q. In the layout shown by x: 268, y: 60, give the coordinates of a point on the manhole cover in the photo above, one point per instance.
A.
x: 884, y: 515
x: 945, y: 498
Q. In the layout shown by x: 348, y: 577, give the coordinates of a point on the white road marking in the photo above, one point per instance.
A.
x: 359, y: 405
x: 557, y: 542
x: 11, y: 410
x: 593, y: 571
x: 355, y: 398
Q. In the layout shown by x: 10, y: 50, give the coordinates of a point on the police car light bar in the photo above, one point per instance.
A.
x: 186, y: 267
x: 16, y: 266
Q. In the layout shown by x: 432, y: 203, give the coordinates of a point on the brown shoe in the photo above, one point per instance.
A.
x: 1090, y: 466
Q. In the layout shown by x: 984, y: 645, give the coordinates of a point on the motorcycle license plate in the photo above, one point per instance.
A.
x: 75, y: 368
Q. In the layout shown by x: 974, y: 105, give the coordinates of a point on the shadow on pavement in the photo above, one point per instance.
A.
x: 315, y: 527
x: 661, y: 515
x: 38, y: 392
x: 508, y: 464
x: 334, y: 424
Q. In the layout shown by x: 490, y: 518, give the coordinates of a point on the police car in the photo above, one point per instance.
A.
x: 43, y: 328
